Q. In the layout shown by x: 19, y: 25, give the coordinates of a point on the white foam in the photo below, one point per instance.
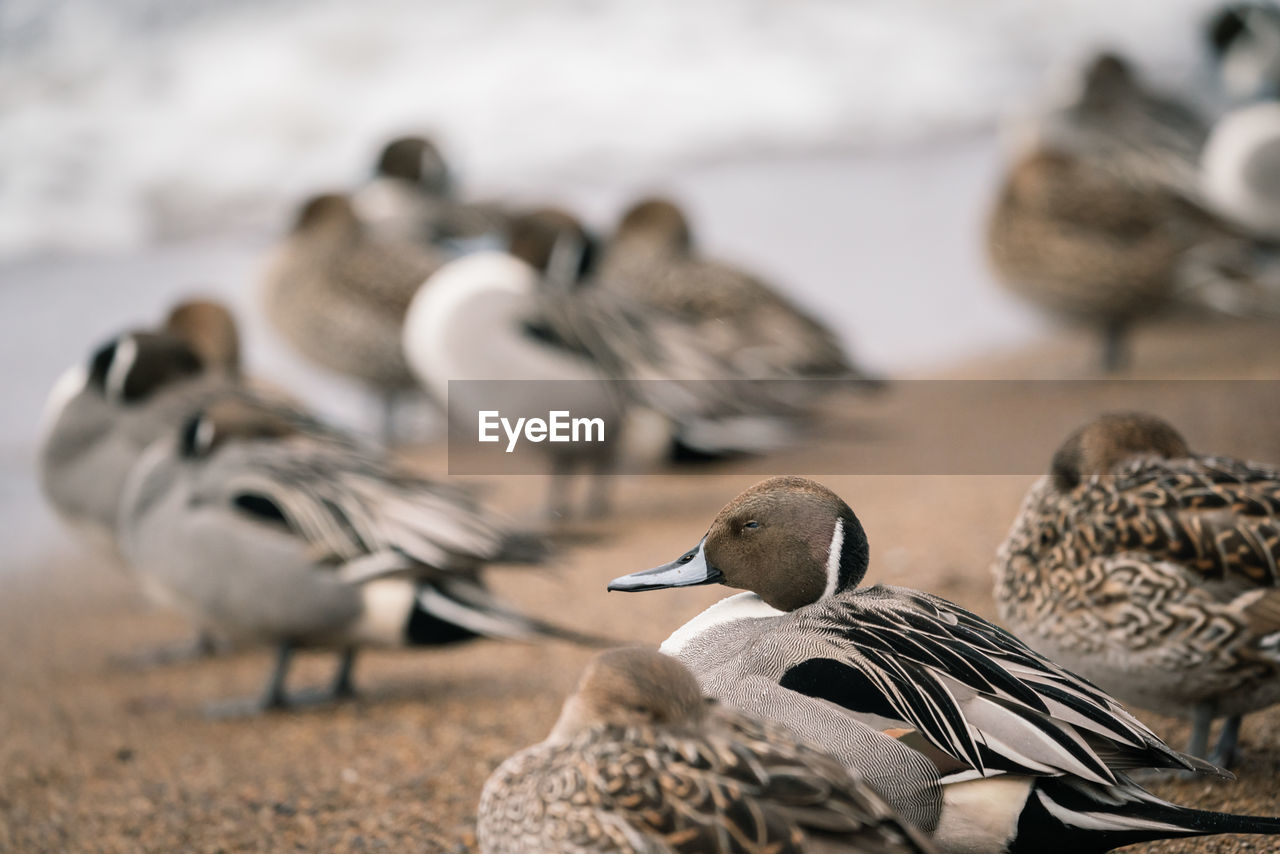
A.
x: 138, y: 119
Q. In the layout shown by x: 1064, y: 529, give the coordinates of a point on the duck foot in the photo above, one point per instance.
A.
x: 275, y: 699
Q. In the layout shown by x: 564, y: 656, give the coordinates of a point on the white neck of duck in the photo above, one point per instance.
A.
x: 740, y: 606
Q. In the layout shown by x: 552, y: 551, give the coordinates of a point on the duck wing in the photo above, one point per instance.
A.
x: 1216, y: 518
x: 972, y: 689
x: 671, y: 366
x: 354, y: 509
x: 734, y: 785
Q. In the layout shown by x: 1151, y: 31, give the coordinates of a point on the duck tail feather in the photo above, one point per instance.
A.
x: 1064, y: 815
x: 477, y: 612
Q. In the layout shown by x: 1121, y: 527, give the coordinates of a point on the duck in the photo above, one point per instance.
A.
x: 412, y: 197
x: 1244, y: 45
x: 1153, y: 571
x: 1030, y: 756
x: 650, y: 257
x: 477, y: 321
x: 101, y: 415
x: 275, y: 536
x: 1139, y: 135
x: 639, y: 761
x: 338, y: 294
x: 1239, y: 165
x: 546, y: 325
x: 1103, y: 218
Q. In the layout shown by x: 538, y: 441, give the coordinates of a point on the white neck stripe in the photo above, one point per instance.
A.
x: 834, y: 554
x: 122, y: 360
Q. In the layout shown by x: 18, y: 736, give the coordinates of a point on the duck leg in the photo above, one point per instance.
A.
x: 343, y: 686
x: 1224, y: 755
x: 1201, y: 721
x: 1115, y: 345
x: 273, y: 697
x: 390, y: 399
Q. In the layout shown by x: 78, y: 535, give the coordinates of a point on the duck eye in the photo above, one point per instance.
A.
x: 752, y: 525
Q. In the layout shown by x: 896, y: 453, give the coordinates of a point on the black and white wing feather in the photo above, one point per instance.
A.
x: 972, y: 689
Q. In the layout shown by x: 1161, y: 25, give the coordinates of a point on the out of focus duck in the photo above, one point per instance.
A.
x: 412, y: 197
x: 1244, y: 45
x: 271, y: 534
x: 650, y: 258
x: 338, y: 294
x: 136, y: 387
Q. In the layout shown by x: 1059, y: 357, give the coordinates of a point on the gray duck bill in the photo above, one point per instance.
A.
x: 688, y: 570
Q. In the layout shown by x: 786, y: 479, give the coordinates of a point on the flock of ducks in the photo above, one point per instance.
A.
x: 806, y: 713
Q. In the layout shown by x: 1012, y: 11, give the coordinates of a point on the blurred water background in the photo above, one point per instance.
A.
x: 845, y: 148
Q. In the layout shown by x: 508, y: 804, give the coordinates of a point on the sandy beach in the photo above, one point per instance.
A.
x: 98, y: 756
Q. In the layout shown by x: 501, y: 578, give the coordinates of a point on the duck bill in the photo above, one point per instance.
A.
x: 688, y: 570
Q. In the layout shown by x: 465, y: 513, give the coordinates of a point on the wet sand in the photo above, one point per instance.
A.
x: 97, y: 756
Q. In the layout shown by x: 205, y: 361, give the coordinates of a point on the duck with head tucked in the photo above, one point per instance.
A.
x: 1153, y: 571
x: 750, y: 325
x: 136, y: 387
x: 1031, y: 757
x: 338, y: 293
x: 640, y: 763
x: 273, y: 535
x: 412, y: 197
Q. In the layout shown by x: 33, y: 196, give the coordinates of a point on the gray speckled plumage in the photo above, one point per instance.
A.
x: 642, y: 778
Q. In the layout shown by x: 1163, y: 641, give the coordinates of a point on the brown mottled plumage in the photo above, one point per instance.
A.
x: 1098, y: 221
x: 639, y: 763
x: 339, y: 295
x: 1153, y: 571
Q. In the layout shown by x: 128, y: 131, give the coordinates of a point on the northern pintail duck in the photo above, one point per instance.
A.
x: 1031, y: 756
x: 271, y: 534
x: 478, y: 318
x: 1105, y: 218
x: 138, y: 386
x: 1244, y: 44
x: 1068, y: 236
x: 1153, y: 571
x: 640, y: 763
x: 412, y: 197
x: 1240, y: 166
x: 495, y: 316
x: 338, y: 295
x: 650, y: 258
x: 1242, y: 156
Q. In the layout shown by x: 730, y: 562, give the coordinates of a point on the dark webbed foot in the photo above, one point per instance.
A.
x: 275, y: 698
